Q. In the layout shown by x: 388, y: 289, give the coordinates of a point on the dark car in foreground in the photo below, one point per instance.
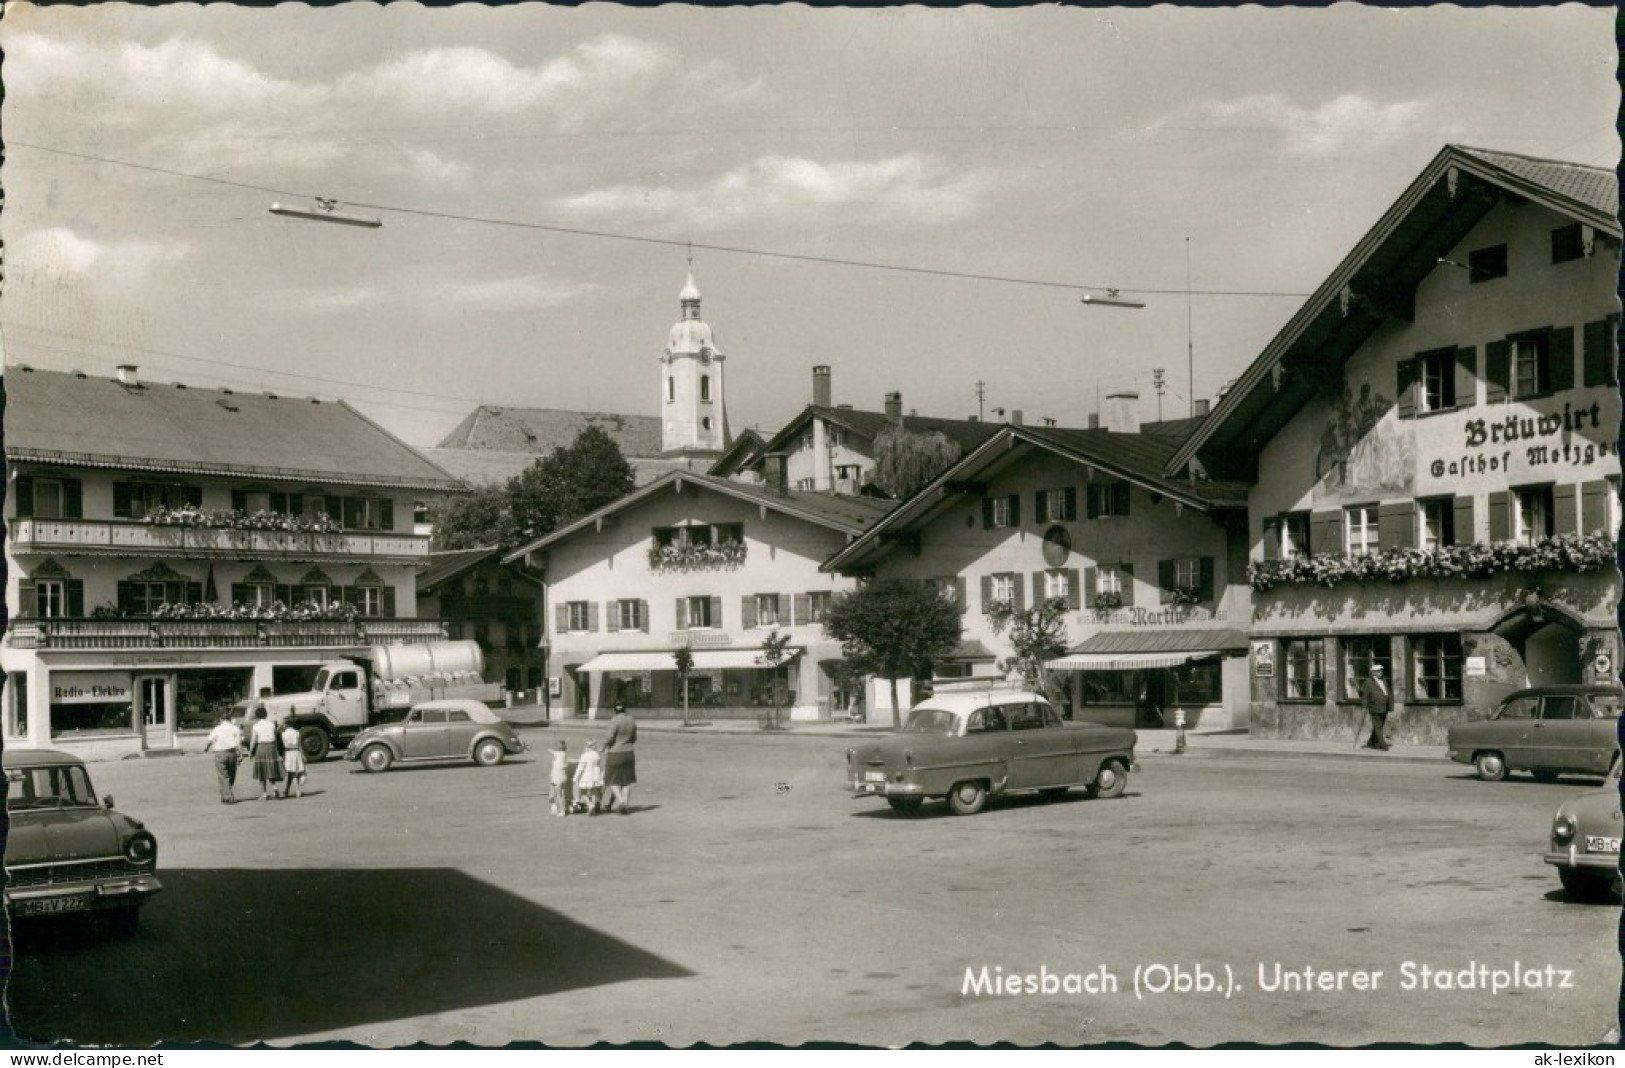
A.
x: 68, y: 853
x: 1585, y: 843
x: 1547, y: 731
x: 966, y: 747
x: 437, y: 731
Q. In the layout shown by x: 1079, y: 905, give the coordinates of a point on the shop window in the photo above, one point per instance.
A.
x: 1531, y: 366
x: 1360, y: 529
x: 104, y: 717
x: 1486, y: 263
x: 1196, y: 684
x: 1567, y: 243
x: 1294, y: 535
x: 1438, y: 373
x: 1360, y: 653
x: 1438, y: 522
x: 1436, y: 667
x: 578, y: 616
x: 1304, y: 677
x: 1532, y: 514
x: 1110, y: 687
x: 1108, y: 499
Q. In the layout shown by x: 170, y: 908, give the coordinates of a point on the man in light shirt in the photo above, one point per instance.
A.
x: 1378, y: 702
x: 225, y: 740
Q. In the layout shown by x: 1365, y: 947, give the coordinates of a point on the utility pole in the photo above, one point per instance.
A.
x: 981, y: 395
x: 1190, y: 344
x: 1160, y: 382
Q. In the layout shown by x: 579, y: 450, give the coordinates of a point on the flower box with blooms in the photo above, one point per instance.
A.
x: 1185, y: 595
x: 724, y: 555
x: 1562, y: 552
x: 192, y: 516
x: 275, y: 610
x: 1108, y: 600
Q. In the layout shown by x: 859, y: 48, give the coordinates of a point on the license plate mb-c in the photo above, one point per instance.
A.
x: 1599, y: 844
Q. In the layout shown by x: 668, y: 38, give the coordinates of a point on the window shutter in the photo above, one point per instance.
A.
x: 561, y: 618
x: 1018, y: 593
x: 1407, y: 389
x: 389, y: 602
x: 386, y: 511
x: 349, y: 595
x: 1562, y: 354
x: 1165, y: 579
x: 716, y: 611
x: 987, y: 513
x: 27, y: 601
x: 284, y: 594
x: 1466, y: 377
x: 1205, y: 578
x: 1597, y: 359
x: 174, y: 592
x: 1071, y: 511
x: 1500, y: 515
x: 279, y: 502
x: 987, y: 592
x: 352, y: 512
x: 24, y: 493
x: 239, y: 593
x: 1497, y: 371
x: 1089, y: 587
x: 1015, y: 509
x: 333, y: 508
x: 1120, y: 498
x: 1074, y: 589
x: 296, y: 504
x: 76, y: 597
x: 73, y: 499
x: 1038, y: 588
x: 1593, y: 506
x: 1565, y: 506
x: 1041, y: 506
x: 801, y: 607
x: 592, y: 616
x: 1396, y: 525
x: 239, y: 500
x: 126, y: 598
x: 643, y: 616
x: 959, y: 592
x: 1326, y: 531
x: 682, y: 613
x: 747, y: 611
x: 1128, y: 584
x: 1464, y: 532
x: 612, y: 616
x: 1092, y: 504
x: 1271, y: 537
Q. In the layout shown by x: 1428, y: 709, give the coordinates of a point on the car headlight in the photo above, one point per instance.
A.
x: 1562, y: 828
x: 142, y: 849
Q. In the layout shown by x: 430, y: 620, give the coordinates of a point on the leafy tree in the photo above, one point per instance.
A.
x: 1038, y: 635
x: 588, y: 473
x: 905, y: 461
x: 683, y: 657
x: 894, y: 628
x: 474, y: 521
x: 774, y: 653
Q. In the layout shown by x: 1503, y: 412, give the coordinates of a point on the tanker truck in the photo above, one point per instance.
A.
x: 352, y: 694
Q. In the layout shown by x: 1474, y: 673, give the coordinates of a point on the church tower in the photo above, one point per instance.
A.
x: 694, y: 418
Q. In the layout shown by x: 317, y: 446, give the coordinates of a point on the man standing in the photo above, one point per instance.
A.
x: 1378, y: 703
x: 225, y: 740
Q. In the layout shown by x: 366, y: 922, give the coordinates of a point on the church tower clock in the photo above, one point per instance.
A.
x: 693, y: 416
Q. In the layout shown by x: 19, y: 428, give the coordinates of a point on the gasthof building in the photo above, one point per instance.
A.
x: 1431, y: 441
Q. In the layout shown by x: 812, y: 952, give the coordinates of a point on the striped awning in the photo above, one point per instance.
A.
x: 1140, y: 650
x: 1128, y: 661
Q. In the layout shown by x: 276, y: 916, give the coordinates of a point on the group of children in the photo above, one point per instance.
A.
x: 584, y: 792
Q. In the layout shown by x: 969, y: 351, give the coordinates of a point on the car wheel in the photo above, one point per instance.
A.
x: 1054, y: 793
x: 905, y: 806
x: 376, y: 758
x: 313, y: 743
x: 488, y: 753
x: 1585, y: 885
x: 1544, y: 775
x: 1491, y: 766
x: 967, y: 798
x: 1110, y: 781
x: 122, y: 922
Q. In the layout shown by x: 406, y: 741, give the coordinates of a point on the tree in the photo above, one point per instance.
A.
x: 683, y: 657
x: 905, y: 461
x: 474, y: 521
x: 774, y: 654
x: 576, y: 479
x: 1038, y: 635
x: 894, y: 628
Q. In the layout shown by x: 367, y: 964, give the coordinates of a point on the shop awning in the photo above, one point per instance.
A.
x: 704, y: 660
x: 1141, y: 650
x: 1127, y: 661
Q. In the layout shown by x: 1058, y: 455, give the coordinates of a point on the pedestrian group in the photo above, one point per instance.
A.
x: 610, y: 761
x: 279, y: 763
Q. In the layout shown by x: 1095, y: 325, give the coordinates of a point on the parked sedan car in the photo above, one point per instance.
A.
x: 452, y: 729
x: 969, y: 746
x: 1585, y: 843
x: 1547, y: 731
x: 67, y: 852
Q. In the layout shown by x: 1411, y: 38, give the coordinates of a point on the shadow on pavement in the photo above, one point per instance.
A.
x: 237, y: 956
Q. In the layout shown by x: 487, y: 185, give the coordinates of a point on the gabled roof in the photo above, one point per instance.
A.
x: 848, y: 515
x: 1136, y: 458
x: 738, y: 456
x: 86, y: 421
x: 450, y: 564
x: 966, y: 433
x: 1377, y: 280
x: 484, y: 467
x: 541, y: 430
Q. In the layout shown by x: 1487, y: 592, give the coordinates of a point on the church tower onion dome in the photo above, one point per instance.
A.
x: 691, y: 336
x: 694, y: 413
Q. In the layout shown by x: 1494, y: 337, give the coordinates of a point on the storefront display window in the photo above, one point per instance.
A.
x: 101, y: 718
x: 1195, y: 684
x: 1360, y: 652
x: 203, y: 696
x: 1304, y: 678
x: 1110, y: 687
x: 1436, y: 667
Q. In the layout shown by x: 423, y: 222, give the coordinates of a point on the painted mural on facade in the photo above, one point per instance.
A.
x: 1361, y: 453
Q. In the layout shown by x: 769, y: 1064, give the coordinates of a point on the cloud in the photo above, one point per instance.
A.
x: 342, y: 300
x: 911, y: 188
x: 523, y: 291
x: 431, y: 168
x: 1344, y: 123
x: 59, y: 252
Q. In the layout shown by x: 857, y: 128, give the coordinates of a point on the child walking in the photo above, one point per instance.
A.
x: 589, y: 779
x: 558, y: 780
x: 293, y: 761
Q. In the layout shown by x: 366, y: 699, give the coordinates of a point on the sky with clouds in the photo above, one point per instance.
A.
x: 1073, y: 147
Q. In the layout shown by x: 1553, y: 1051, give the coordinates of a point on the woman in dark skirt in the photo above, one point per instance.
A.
x: 620, y: 759
x: 267, y: 757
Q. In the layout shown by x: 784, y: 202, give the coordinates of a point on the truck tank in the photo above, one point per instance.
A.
x: 461, y: 659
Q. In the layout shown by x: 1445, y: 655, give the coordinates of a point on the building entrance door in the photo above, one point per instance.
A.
x: 154, y: 711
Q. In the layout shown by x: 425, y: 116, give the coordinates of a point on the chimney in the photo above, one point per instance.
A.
x: 1016, y: 417
x: 821, y: 385
x: 127, y: 375
x: 1094, y: 420
x: 1201, y: 407
x: 775, y: 465
x: 894, y: 406
x: 1121, y: 412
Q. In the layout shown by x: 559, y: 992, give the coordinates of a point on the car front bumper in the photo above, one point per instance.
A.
x: 886, y: 789
x: 95, y: 896
x: 1573, y: 858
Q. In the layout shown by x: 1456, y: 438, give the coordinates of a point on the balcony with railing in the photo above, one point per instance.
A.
x: 127, y: 633
x: 134, y: 538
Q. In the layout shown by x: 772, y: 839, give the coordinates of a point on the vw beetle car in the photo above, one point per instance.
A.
x: 968, y: 746
x: 1546, y: 731
x: 452, y: 729
x: 67, y: 852
x: 1585, y: 843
